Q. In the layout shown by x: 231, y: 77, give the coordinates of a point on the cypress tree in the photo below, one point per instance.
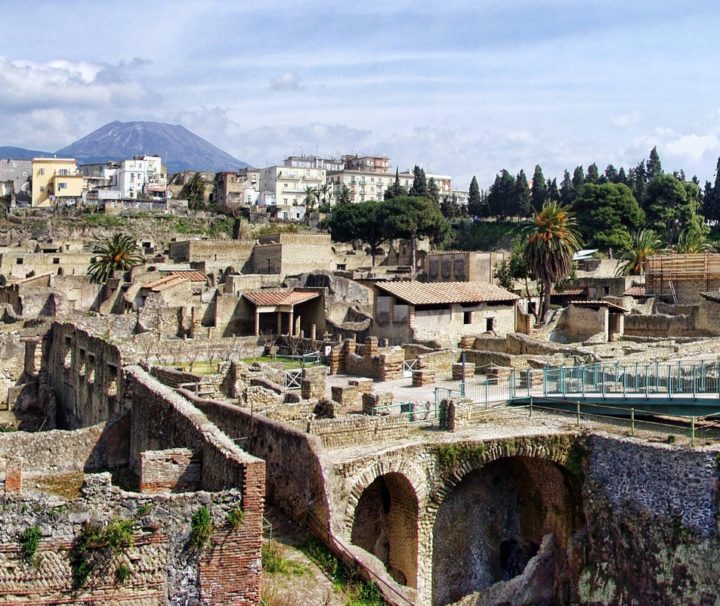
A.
x: 523, y: 203
x: 654, y: 166
x: 566, y: 190
x: 419, y: 186
x: 539, y: 190
x: 476, y: 208
x: 593, y: 174
x: 433, y: 190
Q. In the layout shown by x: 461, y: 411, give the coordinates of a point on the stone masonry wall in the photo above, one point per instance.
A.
x: 359, y: 429
x: 162, y: 569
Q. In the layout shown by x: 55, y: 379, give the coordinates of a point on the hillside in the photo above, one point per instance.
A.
x: 178, y: 147
x: 19, y: 153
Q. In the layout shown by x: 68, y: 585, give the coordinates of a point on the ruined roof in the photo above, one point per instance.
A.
x: 566, y: 292
x: 421, y: 293
x: 635, y: 291
x: 192, y: 275
x: 279, y: 296
x: 599, y: 303
x: 166, y: 282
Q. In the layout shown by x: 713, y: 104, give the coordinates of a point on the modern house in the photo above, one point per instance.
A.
x: 55, y: 180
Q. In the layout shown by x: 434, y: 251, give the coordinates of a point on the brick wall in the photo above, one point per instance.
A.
x: 171, y: 470
x: 359, y: 429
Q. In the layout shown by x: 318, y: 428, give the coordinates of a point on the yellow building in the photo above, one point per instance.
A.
x: 55, y: 180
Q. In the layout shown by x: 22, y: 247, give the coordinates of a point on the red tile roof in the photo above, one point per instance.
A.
x: 569, y: 291
x: 279, y: 296
x: 635, y: 291
x: 166, y: 282
x: 193, y: 275
x: 438, y: 293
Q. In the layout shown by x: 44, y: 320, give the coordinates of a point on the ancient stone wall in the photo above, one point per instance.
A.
x: 661, y: 325
x: 295, y: 481
x: 160, y: 565
x: 95, y: 448
x: 580, y: 323
x: 85, y: 375
x: 359, y: 429
x: 440, y: 361
x: 652, y: 526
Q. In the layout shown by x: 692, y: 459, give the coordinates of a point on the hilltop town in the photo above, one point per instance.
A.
x: 285, y: 385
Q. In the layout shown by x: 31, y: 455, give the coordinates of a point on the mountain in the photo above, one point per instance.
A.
x: 177, y: 146
x: 19, y: 153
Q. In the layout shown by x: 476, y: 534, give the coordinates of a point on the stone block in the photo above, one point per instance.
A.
x: 362, y: 385
x: 346, y: 396
x: 462, y: 371
x: 423, y: 377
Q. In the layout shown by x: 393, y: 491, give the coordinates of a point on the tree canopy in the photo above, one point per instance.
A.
x: 117, y: 253
x: 361, y: 221
x: 607, y: 214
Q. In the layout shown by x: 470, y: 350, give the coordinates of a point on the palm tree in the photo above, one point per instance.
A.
x: 324, y: 193
x: 311, y: 196
x: 645, y: 244
x: 692, y: 240
x: 552, y: 240
x: 120, y: 252
x: 345, y: 195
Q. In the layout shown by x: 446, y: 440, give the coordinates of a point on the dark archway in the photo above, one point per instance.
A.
x: 493, y: 522
x: 386, y: 525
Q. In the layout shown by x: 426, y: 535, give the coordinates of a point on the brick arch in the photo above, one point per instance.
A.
x: 496, y: 503
x: 473, y: 456
x: 412, y: 473
x: 386, y: 525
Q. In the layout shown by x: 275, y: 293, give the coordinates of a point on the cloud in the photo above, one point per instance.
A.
x: 26, y: 86
x: 287, y: 81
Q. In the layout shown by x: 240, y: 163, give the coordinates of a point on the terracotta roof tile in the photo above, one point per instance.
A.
x: 438, y: 293
x: 194, y: 276
x: 635, y: 291
x: 166, y: 282
x: 279, y: 296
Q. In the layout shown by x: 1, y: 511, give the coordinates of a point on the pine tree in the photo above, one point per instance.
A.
x: 553, y: 193
x: 611, y: 173
x: 523, y: 202
x: 539, y: 190
x: 395, y: 190
x: 419, y: 186
x: 476, y: 208
x: 433, y: 191
x: 593, y: 174
x: 566, y: 190
x: 654, y: 166
x: 622, y: 177
x: 578, y: 179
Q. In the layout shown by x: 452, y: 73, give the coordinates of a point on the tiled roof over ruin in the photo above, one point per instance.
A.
x: 192, y: 275
x: 166, y: 282
x: 279, y: 296
x: 635, y: 291
x: 435, y: 293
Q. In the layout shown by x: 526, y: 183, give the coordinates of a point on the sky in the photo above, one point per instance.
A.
x: 461, y: 88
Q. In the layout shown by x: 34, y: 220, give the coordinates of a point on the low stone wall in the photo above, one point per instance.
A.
x: 517, y: 344
x: 440, y: 361
x: 359, y: 429
x: 173, y: 377
x: 95, y: 448
x: 661, y: 325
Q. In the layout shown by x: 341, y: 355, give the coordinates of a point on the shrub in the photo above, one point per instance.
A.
x: 122, y: 573
x: 235, y: 517
x: 201, y: 528
x: 98, y: 543
x: 29, y: 542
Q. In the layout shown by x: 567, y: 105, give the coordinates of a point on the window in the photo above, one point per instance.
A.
x: 62, y: 185
x: 42, y: 188
x: 19, y: 261
x: 41, y: 171
x: 606, y: 289
x: 489, y: 324
x: 63, y: 172
x: 467, y: 317
x: 56, y: 260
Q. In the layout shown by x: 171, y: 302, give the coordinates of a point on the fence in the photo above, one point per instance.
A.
x: 687, y: 378
x: 420, y: 413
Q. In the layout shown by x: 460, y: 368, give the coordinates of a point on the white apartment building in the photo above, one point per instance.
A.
x: 363, y: 185
x: 314, y: 162
x: 285, y: 187
x: 140, y: 176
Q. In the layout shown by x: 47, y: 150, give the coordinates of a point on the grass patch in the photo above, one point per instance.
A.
x: 103, y: 220
x: 7, y: 428
x: 357, y: 591
x: 144, y: 509
x: 275, y: 562
x: 451, y: 455
x: 201, y: 528
x: 122, y: 573
x: 66, y: 485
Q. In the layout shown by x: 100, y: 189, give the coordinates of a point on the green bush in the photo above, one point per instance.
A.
x: 201, y: 528
x: 97, y: 543
x: 235, y: 517
x: 29, y: 542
